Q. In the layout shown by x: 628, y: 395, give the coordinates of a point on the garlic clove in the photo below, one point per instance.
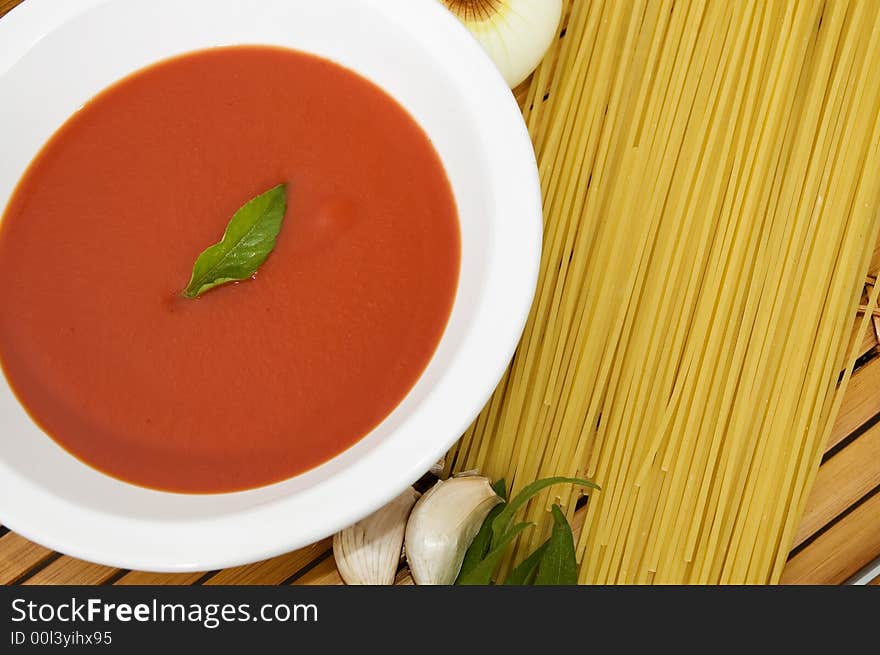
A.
x: 368, y: 552
x: 514, y: 33
x: 438, y: 467
x: 443, y: 524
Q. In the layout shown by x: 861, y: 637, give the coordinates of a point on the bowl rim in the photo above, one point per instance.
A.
x: 504, y: 130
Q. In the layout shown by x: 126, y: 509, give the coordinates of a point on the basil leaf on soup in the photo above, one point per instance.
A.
x: 249, y: 238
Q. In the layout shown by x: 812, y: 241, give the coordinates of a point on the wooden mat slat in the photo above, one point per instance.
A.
x: 69, y: 570
x: 7, y: 5
x: 860, y: 404
x: 403, y: 578
x: 271, y: 571
x: 842, y: 550
x: 323, y: 573
x: 326, y: 573
x: 867, y: 340
x: 147, y: 578
x: 18, y: 556
x: 842, y: 481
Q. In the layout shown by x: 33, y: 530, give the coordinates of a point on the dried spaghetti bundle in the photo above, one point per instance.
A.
x: 711, y: 180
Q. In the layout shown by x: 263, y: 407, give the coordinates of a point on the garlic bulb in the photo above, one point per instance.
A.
x: 514, y: 33
x: 368, y: 552
x: 443, y: 524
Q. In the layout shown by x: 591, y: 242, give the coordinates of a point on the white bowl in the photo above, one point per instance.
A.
x: 57, y: 55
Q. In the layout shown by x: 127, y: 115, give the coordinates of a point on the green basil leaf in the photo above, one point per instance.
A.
x: 558, y: 565
x: 524, y: 574
x: 499, y: 526
x: 500, y: 488
x: 249, y: 238
x: 481, y: 544
x: 483, y: 541
x: 481, y: 574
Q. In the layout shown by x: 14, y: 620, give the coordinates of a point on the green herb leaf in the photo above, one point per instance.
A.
x: 500, y: 488
x: 499, y: 526
x: 246, y: 243
x: 482, y: 573
x: 524, y: 574
x: 558, y: 565
x: 483, y: 541
x: 481, y: 544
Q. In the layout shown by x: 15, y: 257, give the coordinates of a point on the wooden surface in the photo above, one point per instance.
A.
x: 7, y: 5
x: 838, y: 536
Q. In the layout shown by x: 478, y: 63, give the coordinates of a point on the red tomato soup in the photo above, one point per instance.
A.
x: 253, y: 382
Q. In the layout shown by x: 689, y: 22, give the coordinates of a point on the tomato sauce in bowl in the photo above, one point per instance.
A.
x: 253, y: 382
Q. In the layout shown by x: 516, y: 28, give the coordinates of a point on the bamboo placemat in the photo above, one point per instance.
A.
x: 838, y: 536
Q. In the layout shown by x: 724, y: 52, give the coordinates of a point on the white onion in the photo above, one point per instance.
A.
x: 514, y: 33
